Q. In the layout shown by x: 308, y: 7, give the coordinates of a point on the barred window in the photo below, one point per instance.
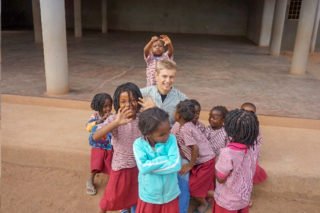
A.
x: 294, y: 9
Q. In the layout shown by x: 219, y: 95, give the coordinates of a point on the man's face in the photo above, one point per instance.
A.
x: 165, y: 79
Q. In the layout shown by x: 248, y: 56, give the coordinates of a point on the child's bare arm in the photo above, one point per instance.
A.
x: 147, y: 48
x: 168, y: 43
x: 223, y: 167
x: 194, y: 155
x: 121, y: 119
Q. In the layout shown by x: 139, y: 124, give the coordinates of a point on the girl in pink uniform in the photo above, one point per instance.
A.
x: 260, y: 174
x: 201, y: 161
x: 236, y: 163
x: 122, y: 189
x: 154, y: 51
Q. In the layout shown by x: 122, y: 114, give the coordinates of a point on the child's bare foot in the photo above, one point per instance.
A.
x: 250, y: 203
x: 202, y: 208
x: 91, y: 189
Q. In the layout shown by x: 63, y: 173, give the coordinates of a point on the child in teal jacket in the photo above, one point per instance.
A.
x: 158, y: 160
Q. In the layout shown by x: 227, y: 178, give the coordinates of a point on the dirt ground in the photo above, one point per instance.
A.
x: 45, y: 159
x: 51, y: 190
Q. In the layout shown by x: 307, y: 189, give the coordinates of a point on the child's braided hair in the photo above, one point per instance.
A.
x: 242, y: 126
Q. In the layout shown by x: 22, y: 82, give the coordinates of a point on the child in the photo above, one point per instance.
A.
x: 158, y: 160
x: 215, y: 132
x: 236, y: 163
x: 101, y: 151
x: 122, y: 189
x: 155, y: 51
x: 195, y: 148
x: 260, y: 175
x: 195, y: 120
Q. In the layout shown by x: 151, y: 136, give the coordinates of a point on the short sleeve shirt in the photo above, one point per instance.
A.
x: 189, y: 135
x: 122, y: 142
x: 151, y: 62
x: 237, y: 164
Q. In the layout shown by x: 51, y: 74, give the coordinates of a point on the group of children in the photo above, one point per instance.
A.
x: 155, y: 167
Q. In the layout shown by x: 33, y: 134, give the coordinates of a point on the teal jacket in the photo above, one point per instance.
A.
x: 158, y: 170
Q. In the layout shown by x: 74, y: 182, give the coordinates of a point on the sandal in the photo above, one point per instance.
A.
x: 91, y: 190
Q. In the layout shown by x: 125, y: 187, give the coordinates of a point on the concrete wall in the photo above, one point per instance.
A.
x: 289, y: 34
x: 318, y: 41
x: 219, y: 17
x: 255, y: 20
x: 16, y: 14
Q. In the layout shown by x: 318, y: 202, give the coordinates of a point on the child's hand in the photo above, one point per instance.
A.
x: 185, y: 169
x: 154, y: 38
x: 106, y: 116
x: 165, y: 39
x: 123, y: 116
x: 103, y: 118
x: 146, y: 103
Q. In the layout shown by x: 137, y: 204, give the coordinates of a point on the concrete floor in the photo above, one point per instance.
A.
x: 45, y: 156
x: 216, y: 70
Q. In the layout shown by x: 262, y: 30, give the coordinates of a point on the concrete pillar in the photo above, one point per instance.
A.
x: 315, y: 29
x: 104, y: 21
x: 77, y: 18
x: 303, y: 38
x: 266, y: 25
x: 55, y: 46
x: 36, y: 21
x: 277, y: 28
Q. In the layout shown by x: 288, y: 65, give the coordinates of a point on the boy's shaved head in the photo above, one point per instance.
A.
x: 248, y: 106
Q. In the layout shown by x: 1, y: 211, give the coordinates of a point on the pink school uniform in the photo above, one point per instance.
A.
x: 201, y: 127
x: 151, y: 62
x: 260, y: 174
x: 236, y: 164
x: 122, y: 189
x: 202, y: 174
x: 218, y: 138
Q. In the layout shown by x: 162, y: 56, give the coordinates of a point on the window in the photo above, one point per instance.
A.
x: 294, y: 9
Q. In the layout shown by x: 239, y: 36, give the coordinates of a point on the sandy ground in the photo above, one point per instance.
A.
x: 45, y: 159
x: 51, y: 190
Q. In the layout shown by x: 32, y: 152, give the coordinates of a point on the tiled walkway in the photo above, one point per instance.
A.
x: 215, y: 70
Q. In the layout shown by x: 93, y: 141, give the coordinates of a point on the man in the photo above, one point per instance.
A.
x: 166, y: 97
x: 163, y: 94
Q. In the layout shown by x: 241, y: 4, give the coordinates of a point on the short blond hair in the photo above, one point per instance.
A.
x: 166, y: 64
